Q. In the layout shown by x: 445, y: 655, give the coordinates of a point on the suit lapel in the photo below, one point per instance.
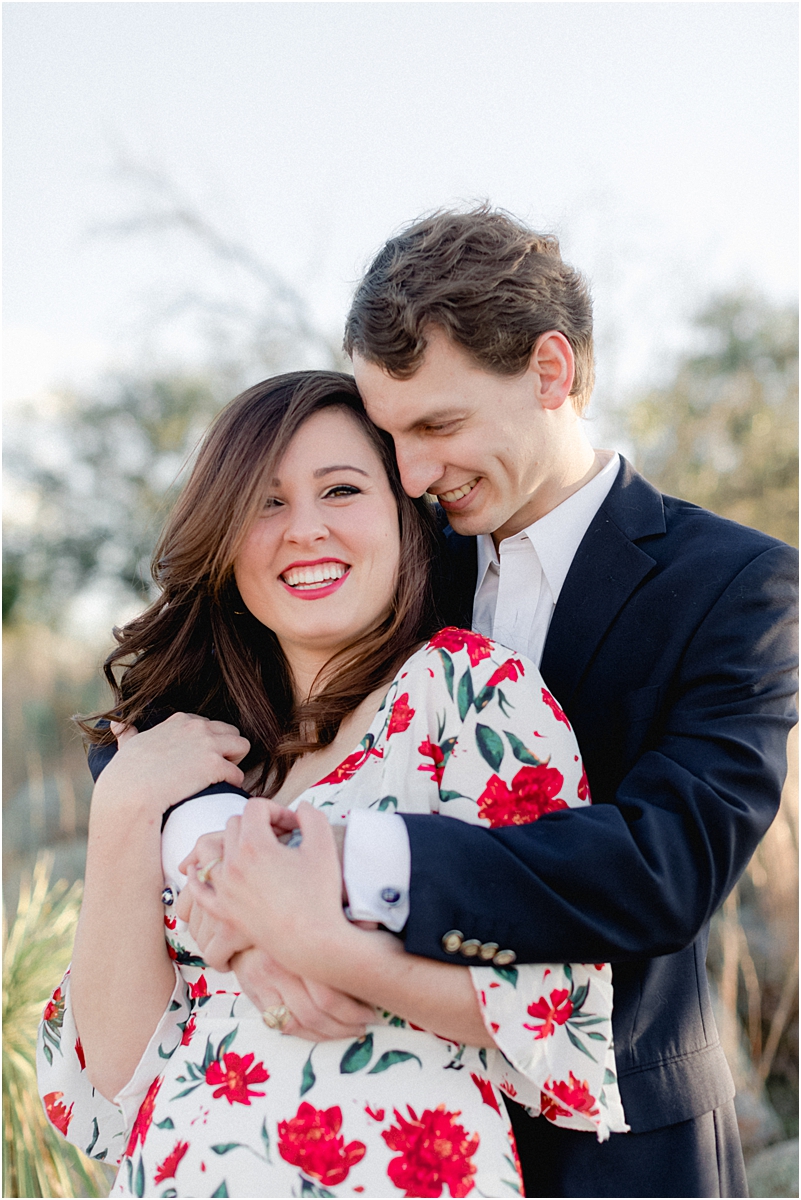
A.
x: 460, y: 572
x: 607, y: 568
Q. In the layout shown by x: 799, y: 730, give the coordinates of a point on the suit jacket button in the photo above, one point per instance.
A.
x: 452, y: 941
x: 471, y: 947
x: 488, y: 951
x: 504, y: 958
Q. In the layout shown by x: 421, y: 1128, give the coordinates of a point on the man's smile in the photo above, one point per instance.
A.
x: 458, y: 493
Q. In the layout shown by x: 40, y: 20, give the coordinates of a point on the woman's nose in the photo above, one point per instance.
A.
x: 306, y: 524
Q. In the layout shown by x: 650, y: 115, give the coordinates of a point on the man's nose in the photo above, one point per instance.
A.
x: 418, y: 467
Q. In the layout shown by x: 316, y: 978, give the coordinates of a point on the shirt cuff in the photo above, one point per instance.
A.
x: 377, y: 868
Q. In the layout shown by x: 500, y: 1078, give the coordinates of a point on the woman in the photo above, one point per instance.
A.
x: 292, y: 619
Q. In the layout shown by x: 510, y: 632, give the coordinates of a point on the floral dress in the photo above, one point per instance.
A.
x: 221, y: 1105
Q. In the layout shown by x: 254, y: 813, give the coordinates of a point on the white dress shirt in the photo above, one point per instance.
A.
x: 517, y: 588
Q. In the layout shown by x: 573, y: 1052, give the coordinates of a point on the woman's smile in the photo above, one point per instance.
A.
x: 311, y: 580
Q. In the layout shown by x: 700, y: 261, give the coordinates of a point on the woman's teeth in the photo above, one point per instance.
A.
x: 457, y: 493
x: 306, y: 577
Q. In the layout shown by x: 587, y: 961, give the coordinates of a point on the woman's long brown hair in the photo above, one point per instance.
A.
x: 198, y: 649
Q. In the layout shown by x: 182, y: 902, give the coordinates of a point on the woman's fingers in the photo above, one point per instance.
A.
x: 320, y: 1016
x: 341, y: 1008
x: 123, y: 733
x: 206, y: 848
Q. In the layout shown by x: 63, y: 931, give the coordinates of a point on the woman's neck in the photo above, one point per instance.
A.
x: 307, y: 669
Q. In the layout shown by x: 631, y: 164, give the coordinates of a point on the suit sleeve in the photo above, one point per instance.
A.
x: 638, y: 877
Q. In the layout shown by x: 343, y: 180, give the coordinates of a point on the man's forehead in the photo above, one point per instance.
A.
x: 404, y: 412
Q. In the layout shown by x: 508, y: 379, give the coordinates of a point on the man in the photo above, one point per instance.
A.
x: 665, y: 633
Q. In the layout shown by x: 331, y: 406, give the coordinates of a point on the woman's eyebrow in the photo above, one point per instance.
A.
x: 321, y: 471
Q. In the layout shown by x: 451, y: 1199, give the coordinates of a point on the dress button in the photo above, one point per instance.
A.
x: 488, y: 951
x: 167, y: 896
x: 471, y: 947
x: 390, y: 895
x: 504, y: 958
x: 452, y: 941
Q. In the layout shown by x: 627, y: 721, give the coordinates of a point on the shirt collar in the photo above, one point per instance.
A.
x: 556, y: 536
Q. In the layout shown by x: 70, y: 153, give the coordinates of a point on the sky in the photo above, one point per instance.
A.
x: 659, y: 141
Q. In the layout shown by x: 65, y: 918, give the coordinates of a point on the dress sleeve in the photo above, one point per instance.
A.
x: 511, y: 758
x: 97, y: 1126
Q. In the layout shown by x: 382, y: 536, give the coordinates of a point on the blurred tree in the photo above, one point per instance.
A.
x: 93, y: 475
x: 98, y: 472
x: 723, y: 432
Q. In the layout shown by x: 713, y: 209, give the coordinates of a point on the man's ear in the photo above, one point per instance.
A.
x: 554, y: 366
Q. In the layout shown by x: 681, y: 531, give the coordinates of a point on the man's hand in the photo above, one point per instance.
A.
x: 319, y: 1013
x: 288, y: 901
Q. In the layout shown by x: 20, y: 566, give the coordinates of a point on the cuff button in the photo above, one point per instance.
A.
x: 488, y: 951
x: 390, y: 895
x: 452, y: 941
x: 504, y: 958
x: 470, y: 948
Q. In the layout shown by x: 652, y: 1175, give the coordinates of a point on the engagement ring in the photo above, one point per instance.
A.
x: 204, y: 872
x: 276, y: 1017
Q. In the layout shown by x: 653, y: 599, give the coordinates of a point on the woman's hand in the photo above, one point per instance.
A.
x: 288, y: 901
x: 174, y: 759
x: 217, y: 938
x: 319, y: 1013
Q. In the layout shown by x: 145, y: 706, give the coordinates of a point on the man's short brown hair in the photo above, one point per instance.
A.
x: 489, y: 282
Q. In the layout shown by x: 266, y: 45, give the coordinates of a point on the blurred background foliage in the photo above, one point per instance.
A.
x: 92, y: 473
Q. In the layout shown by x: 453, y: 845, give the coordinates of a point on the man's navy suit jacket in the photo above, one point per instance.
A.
x: 672, y: 651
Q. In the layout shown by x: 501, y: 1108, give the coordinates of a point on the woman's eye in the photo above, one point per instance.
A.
x: 341, y: 489
x: 271, y: 503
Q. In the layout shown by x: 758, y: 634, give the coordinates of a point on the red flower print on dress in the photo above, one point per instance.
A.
x: 401, y: 717
x: 453, y: 639
x: 584, y: 787
x: 57, y: 1113
x: 54, y: 1009
x: 574, y: 1094
x: 557, y: 711
x: 353, y: 762
x: 199, y: 989
x: 312, y: 1142
x: 533, y: 792
x: 80, y: 1054
x: 434, y: 1153
x: 431, y: 750
x: 235, y: 1076
x: 516, y: 1157
x: 378, y: 1115
x: 559, y: 1010
x: 189, y: 1030
x: 487, y: 1091
x: 144, y: 1117
x: 511, y: 669
x: 167, y: 1169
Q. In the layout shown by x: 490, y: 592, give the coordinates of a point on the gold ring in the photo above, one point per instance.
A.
x: 204, y: 872
x: 276, y: 1017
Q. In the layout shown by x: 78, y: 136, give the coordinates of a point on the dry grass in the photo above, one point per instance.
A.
x: 36, y: 1160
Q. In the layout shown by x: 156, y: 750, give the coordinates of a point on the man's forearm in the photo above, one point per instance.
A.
x: 436, y: 996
